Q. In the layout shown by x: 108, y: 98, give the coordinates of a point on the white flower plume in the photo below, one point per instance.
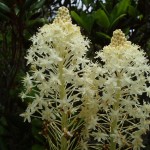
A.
x: 121, y: 80
x: 52, y: 86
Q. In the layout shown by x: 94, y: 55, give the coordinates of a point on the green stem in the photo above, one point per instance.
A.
x: 64, y: 144
x: 64, y: 119
x: 113, y: 128
x: 114, y: 120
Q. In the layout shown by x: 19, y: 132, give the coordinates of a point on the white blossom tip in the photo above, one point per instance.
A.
x: 118, y: 39
x: 62, y: 15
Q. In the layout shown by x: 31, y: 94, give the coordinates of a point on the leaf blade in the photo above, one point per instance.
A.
x: 102, y: 18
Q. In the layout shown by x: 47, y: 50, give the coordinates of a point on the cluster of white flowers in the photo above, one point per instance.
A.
x: 75, y: 95
x: 53, y: 83
x: 118, y: 118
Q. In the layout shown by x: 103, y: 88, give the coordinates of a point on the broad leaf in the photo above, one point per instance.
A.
x: 85, y: 20
x: 104, y: 8
x: 88, y: 21
x: 34, y: 22
x: 101, y: 18
x: 86, y: 2
x: 119, y: 9
x: 4, y: 8
x: 122, y: 7
x: 37, y: 5
x: 28, y: 4
x: 132, y: 11
x: 117, y: 20
x: 77, y: 18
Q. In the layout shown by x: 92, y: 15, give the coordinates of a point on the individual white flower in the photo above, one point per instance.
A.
x: 48, y: 115
x: 100, y: 136
x: 83, y: 145
x: 27, y: 81
x: 28, y: 113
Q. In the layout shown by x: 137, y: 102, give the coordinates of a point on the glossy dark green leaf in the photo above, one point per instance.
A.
x: 28, y: 4
x: 119, y: 9
x: 86, y: 2
x: 122, y: 7
x: 85, y: 20
x: 10, y: 3
x: 117, y: 20
x: 104, y: 8
x: 77, y: 18
x: 4, y: 8
x: 88, y: 21
x: 37, y: 21
x: 103, y: 35
x: 101, y: 18
x: 37, y: 5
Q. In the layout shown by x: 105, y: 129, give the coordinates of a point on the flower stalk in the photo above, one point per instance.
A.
x: 114, y: 120
x: 64, y: 118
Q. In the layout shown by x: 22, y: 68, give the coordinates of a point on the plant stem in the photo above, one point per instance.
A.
x: 113, y: 127
x: 114, y: 120
x: 64, y: 144
x: 64, y: 118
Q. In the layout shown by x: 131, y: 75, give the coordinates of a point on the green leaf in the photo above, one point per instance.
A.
x: 132, y: 11
x: 37, y: 147
x: 122, y: 7
x: 104, y: 8
x: 37, y: 5
x: 103, y: 35
x: 85, y: 20
x: 37, y: 21
x: 77, y: 18
x: 102, y: 18
x: 86, y: 2
x: 88, y: 21
x: 119, y: 9
x: 4, y: 8
x: 117, y: 20
x: 28, y: 4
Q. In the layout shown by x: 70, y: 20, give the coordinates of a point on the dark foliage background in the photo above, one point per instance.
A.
x: 19, y: 20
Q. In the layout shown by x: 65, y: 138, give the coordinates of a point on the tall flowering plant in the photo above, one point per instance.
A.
x: 121, y: 119
x: 56, y: 57
x: 84, y: 105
